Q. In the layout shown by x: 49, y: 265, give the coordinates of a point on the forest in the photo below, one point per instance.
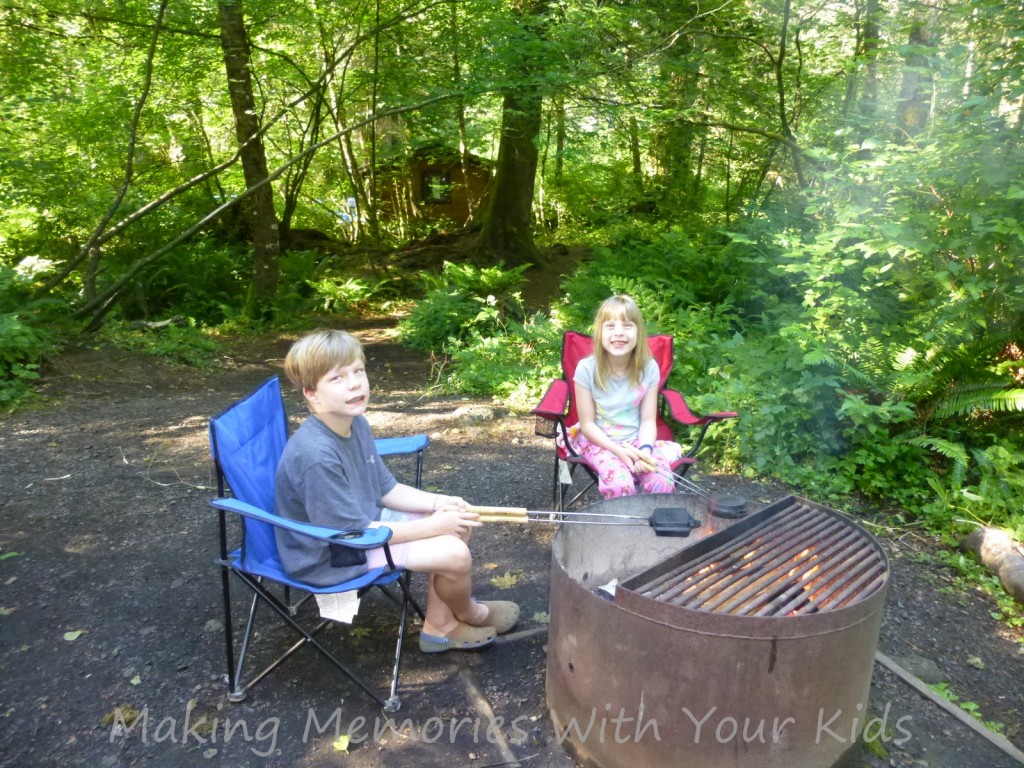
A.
x: 821, y: 200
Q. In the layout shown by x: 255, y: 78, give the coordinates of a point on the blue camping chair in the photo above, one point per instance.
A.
x: 246, y: 442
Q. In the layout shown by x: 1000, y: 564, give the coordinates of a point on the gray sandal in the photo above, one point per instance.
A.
x: 462, y: 638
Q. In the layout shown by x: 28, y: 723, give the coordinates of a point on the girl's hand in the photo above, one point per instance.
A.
x: 628, y: 455
x: 637, y: 460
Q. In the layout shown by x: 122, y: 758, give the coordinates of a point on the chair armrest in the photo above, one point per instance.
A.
x: 369, y: 538
x: 400, y: 446
x: 555, y: 402
x: 681, y: 412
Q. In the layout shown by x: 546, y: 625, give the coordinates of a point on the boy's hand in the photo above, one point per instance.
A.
x: 449, y: 502
x: 455, y: 521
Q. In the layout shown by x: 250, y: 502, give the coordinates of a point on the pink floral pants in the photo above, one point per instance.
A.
x: 615, y: 479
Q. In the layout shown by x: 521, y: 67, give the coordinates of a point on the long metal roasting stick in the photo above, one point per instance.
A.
x: 675, y: 477
x: 524, y: 515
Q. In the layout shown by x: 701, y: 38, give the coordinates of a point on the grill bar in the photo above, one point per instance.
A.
x: 723, y: 560
x: 801, y: 560
x: 803, y: 594
x: 753, y: 597
x: 740, y: 561
x: 779, y: 567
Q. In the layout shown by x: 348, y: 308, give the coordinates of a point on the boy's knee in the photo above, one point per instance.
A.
x: 458, y: 558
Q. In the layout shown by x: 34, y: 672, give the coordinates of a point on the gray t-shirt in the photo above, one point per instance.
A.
x: 617, y: 407
x: 334, y: 481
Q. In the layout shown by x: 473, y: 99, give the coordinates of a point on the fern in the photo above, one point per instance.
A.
x: 969, y: 398
x: 955, y: 452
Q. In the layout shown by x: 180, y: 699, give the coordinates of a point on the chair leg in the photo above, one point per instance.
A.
x: 250, y: 624
x: 591, y: 482
x: 394, y: 703
x: 419, y: 469
x: 557, y: 493
x: 282, y: 610
x: 229, y: 638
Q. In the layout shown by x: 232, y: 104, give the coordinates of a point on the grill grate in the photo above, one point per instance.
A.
x: 798, y: 559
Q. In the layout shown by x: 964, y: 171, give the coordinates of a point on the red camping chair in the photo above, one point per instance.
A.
x: 556, y: 412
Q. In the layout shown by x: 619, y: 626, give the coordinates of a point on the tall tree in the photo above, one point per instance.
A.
x: 507, y: 231
x: 916, y: 89
x: 259, y: 205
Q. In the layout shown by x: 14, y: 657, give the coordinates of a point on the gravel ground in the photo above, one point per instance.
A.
x: 110, y: 601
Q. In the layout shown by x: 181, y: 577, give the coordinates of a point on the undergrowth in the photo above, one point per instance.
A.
x: 177, y: 344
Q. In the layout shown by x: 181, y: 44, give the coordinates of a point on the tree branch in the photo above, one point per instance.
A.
x: 100, y: 304
x: 94, y: 239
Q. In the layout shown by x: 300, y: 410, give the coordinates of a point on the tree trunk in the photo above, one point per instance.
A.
x: 259, y: 206
x: 1001, y: 555
x: 460, y: 113
x: 559, y: 139
x: 507, y: 231
x: 636, y: 157
x: 872, y: 36
x: 865, y: 68
x: 780, y: 86
x: 916, y: 89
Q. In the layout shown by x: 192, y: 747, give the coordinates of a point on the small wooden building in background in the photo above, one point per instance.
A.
x: 434, y: 186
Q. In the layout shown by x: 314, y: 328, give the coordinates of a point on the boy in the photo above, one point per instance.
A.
x: 331, y: 475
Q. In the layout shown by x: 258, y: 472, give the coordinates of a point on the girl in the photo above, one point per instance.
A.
x: 616, y: 400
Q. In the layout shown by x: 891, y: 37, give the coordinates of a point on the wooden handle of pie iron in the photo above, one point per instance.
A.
x: 648, y: 461
x: 504, y: 519
x: 500, y: 514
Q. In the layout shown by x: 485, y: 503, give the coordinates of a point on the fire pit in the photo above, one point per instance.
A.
x: 750, y: 643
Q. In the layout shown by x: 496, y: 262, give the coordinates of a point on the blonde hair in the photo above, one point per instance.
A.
x: 620, y: 308
x: 313, y: 356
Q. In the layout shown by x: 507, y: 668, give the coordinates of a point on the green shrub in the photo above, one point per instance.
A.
x: 992, y: 495
x: 341, y: 296
x: 23, y: 341
x: 21, y: 348
x: 177, y: 344
x: 461, y: 302
x: 514, y: 366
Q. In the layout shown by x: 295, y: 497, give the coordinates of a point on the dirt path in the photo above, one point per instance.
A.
x: 109, y: 600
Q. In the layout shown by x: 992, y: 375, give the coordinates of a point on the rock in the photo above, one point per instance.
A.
x: 469, y: 415
x: 924, y: 669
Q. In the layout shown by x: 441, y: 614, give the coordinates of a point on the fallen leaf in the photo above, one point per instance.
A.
x: 507, y: 579
x: 491, y: 566
x: 125, y: 712
x: 976, y: 662
x: 6, y: 611
x: 72, y: 636
x: 542, y: 617
x: 341, y: 745
x: 135, y: 680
